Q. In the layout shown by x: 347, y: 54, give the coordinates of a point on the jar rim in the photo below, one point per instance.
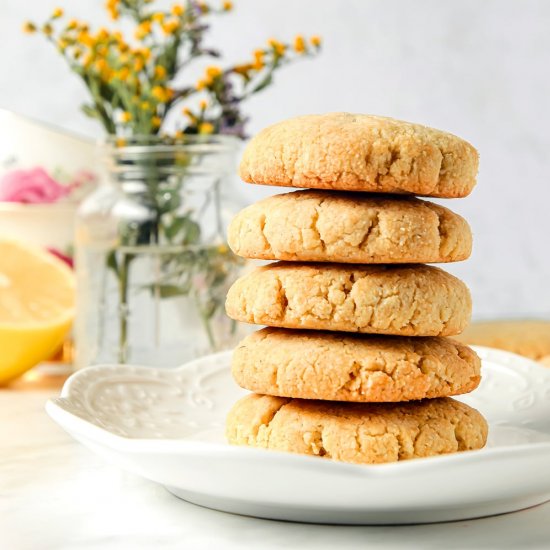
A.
x: 143, y: 143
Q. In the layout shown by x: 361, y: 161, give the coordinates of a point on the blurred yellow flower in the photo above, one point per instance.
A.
x: 278, y: 47
x: 158, y: 17
x: 161, y: 94
x: 29, y: 27
x: 187, y: 112
x: 160, y: 72
x: 315, y: 41
x: 223, y: 249
x: 47, y: 29
x: 156, y: 121
x: 123, y: 73
x: 206, y: 128
x: 227, y: 6
x: 138, y: 64
x: 145, y: 105
x: 213, y: 71
x: 201, y: 84
x: 142, y: 30
x: 299, y: 44
x: 57, y: 13
x: 177, y: 10
x: 125, y: 116
x: 85, y: 38
x: 203, y: 104
x: 72, y: 24
x: 204, y: 7
x: 170, y: 26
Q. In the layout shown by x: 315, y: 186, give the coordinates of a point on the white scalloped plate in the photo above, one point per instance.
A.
x: 167, y: 426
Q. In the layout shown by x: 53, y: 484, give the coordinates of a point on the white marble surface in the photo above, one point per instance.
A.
x: 55, y: 494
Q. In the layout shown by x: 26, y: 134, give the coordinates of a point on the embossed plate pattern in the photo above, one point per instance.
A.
x: 167, y: 425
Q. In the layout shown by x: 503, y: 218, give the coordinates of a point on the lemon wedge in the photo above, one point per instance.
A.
x: 37, y: 303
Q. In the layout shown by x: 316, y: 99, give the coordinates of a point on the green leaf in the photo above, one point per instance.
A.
x: 174, y: 228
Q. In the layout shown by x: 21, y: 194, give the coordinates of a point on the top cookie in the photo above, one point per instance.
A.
x: 350, y: 152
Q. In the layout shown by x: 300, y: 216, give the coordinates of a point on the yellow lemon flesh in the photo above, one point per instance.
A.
x: 37, y: 301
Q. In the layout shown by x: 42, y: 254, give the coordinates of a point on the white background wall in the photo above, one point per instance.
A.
x: 478, y: 68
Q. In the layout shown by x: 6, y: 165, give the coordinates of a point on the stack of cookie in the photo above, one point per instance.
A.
x: 355, y: 364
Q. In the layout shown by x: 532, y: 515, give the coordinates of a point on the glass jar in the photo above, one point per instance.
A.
x: 151, y: 257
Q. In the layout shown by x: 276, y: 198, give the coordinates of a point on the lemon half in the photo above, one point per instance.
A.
x: 37, y: 304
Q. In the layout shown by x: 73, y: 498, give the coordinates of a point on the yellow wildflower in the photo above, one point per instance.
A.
x: 222, y: 249
x: 170, y: 26
x: 142, y: 30
x: 177, y: 10
x: 144, y: 52
x: 315, y: 41
x: 29, y: 27
x: 102, y: 35
x: 299, y: 44
x: 258, y: 60
x: 123, y: 73
x: 160, y: 94
x: 157, y: 17
x: 100, y: 65
x: 85, y: 38
x: 160, y: 72
x: 243, y: 69
x: 206, y: 128
x: 203, y: 104
x: 227, y: 6
x: 125, y: 116
x: 112, y: 8
x: 62, y: 45
x: 87, y: 61
x: 72, y: 24
x: 57, y: 13
x: 201, y: 84
x: 213, y: 71
x: 145, y: 105
x: 138, y: 64
x: 178, y: 134
x: 47, y: 29
x: 278, y: 47
x: 156, y: 121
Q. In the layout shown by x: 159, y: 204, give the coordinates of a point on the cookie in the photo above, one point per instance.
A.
x: 363, y: 433
x: 351, y: 152
x: 402, y: 300
x: 528, y: 337
x: 351, y: 367
x: 325, y: 226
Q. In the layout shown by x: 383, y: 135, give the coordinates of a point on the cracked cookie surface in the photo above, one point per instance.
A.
x: 351, y: 152
x: 403, y: 300
x: 350, y: 367
x: 356, y: 432
x: 326, y: 226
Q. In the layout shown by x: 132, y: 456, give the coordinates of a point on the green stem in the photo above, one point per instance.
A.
x: 123, y: 309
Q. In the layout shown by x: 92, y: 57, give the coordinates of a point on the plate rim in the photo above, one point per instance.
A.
x: 75, y: 424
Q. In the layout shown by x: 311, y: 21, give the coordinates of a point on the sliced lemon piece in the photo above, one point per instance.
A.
x: 37, y: 302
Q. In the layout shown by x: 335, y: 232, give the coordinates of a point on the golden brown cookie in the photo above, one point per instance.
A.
x: 528, y: 337
x: 356, y: 432
x: 352, y: 367
x: 402, y: 300
x: 325, y: 226
x: 351, y: 152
